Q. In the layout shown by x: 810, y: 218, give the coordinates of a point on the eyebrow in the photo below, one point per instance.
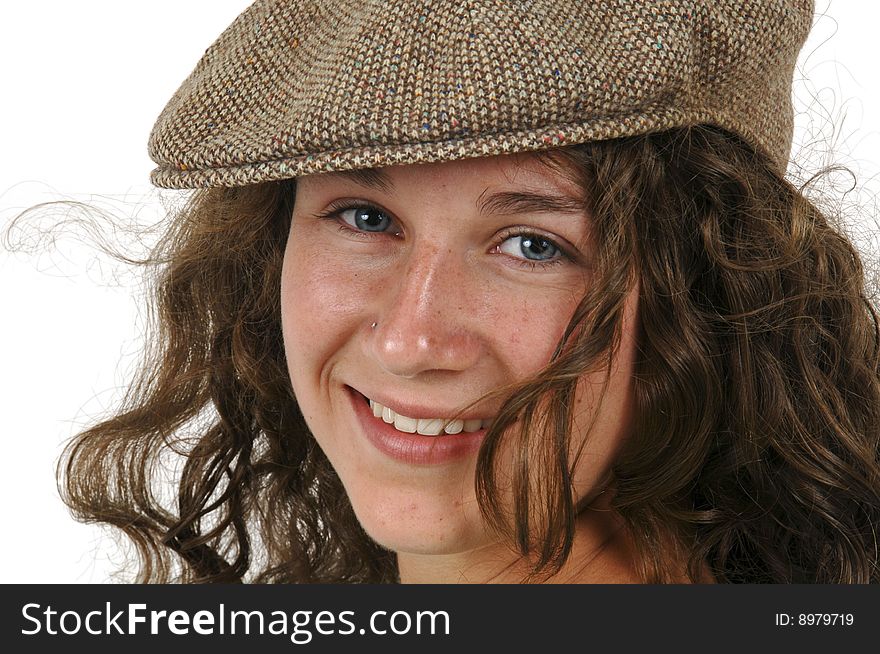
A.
x: 518, y: 202
x: 501, y: 202
x: 370, y: 177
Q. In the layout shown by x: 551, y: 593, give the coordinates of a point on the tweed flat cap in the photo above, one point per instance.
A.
x: 296, y: 87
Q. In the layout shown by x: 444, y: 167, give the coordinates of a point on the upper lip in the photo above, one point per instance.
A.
x: 412, y: 410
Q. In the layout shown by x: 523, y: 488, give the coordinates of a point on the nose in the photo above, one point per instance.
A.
x: 426, y: 318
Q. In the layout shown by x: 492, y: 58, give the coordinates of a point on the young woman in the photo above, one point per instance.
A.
x: 496, y: 292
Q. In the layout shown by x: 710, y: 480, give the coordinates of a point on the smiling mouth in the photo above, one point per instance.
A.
x: 425, y: 426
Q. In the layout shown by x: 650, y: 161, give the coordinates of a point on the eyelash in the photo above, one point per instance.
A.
x: 336, y: 208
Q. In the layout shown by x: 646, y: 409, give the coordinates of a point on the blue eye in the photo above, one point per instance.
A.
x: 531, y: 247
x: 366, y: 219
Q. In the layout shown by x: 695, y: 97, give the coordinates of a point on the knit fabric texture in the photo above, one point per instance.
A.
x: 296, y: 87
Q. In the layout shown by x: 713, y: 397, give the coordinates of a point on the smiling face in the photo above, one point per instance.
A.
x: 413, y: 291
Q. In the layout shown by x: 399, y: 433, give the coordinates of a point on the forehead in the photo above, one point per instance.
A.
x: 517, y: 171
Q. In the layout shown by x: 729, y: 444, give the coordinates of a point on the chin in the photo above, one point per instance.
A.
x: 416, y: 527
x: 432, y: 542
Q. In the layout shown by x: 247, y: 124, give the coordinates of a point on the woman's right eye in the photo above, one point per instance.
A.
x: 367, y: 219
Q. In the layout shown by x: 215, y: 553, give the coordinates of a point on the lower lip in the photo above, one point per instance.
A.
x: 414, y: 449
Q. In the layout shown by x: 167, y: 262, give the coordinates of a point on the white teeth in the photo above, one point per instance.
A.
x: 404, y: 424
x: 430, y: 426
x: 426, y: 426
x: 454, y: 427
x: 472, y: 425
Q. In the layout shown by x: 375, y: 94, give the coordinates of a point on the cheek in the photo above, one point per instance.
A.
x: 317, y: 288
x: 321, y: 288
x: 603, y: 422
x: 321, y: 306
x: 528, y: 328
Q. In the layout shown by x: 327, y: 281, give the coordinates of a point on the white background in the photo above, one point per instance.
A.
x: 81, y: 84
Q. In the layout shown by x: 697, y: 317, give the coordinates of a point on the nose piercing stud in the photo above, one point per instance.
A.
x: 373, y: 326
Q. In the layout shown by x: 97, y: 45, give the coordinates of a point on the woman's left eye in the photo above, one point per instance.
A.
x: 531, y: 247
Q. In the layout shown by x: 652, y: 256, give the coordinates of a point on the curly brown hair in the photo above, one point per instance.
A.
x: 757, y: 387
